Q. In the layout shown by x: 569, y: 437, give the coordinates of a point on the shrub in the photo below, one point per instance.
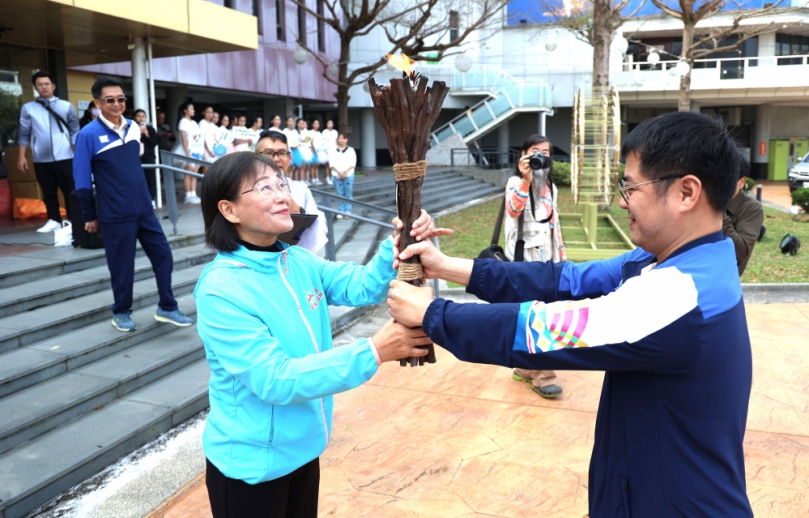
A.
x: 749, y: 183
x: 800, y: 197
x: 561, y: 173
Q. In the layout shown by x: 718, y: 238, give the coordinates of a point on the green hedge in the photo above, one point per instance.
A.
x: 800, y: 197
x: 561, y: 173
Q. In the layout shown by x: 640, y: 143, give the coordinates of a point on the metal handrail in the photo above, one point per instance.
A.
x: 362, y: 204
x: 665, y: 65
x: 484, y: 156
x: 169, y: 185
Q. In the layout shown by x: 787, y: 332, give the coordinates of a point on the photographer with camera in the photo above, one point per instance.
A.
x: 532, y: 229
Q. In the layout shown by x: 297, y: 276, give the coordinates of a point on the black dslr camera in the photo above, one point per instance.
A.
x: 539, y: 161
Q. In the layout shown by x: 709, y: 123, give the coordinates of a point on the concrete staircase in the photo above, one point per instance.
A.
x: 76, y: 394
x: 442, y: 190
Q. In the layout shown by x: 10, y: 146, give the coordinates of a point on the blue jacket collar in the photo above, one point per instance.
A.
x: 714, y: 237
x: 266, y: 262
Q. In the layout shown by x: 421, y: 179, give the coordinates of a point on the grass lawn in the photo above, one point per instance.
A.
x: 473, y: 231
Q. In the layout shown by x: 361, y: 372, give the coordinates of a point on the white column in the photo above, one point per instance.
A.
x: 368, y: 130
x: 503, y: 141
x: 541, y: 127
x: 140, y: 86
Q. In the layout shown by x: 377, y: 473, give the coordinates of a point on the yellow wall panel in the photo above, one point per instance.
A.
x: 78, y: 87
x: 168, y: 14
x: 209, y: 20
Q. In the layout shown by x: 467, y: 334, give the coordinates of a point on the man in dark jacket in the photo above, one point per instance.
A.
x: 742, y: 222
x: 108, y: 152
x: 666, y: 322
x: 148, y: 137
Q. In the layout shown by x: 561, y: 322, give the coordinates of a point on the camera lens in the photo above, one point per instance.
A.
x: 539, y: 161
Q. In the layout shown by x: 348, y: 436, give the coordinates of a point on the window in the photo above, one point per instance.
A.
x: 454, y: 25
x: 301, y: 25
x: 791, y: 45
x: 321, y: 28
x: 280, y: 17
x: 257, y: 13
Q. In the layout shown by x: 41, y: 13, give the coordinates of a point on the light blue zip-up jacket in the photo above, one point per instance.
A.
x: 263, y: 318
x: 48, y: 140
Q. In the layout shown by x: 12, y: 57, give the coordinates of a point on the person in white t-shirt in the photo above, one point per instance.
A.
x: 306, y: 149
x: 321, y: 146
x: 330, y: 137
x: 294, y: 142
x: 274, y: 145
x: 205, y: 125
x: 275, y: 123
x: 343, y: 161
x: 255, y: 130
x: 222, y: 139
x: 243, y: 139
x: 190, y: 144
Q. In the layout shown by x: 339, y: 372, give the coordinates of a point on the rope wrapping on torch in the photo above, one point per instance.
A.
x: 411, y: 272
x: 410, y: 170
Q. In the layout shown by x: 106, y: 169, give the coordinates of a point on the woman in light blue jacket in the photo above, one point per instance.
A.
x: 263, y: 317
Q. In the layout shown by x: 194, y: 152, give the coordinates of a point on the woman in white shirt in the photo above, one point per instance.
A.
x: 205, y: 127
x: 243, y: 139
x: 531, y: 198
x: 330, y: 137
x: 275, y: 124
x: 222, y: 139
x: 191, y: 144
x: 306, y: 150
x: 321, y: 147
x: 342, y: 161
x: 294, y: 143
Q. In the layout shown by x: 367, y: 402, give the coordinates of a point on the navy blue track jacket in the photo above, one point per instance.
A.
x: 115, y: 165
x: 672, y: 338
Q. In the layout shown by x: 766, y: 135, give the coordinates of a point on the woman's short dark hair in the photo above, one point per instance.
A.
x: 225, y: 180
x: 181, y: 111
x: 139, y: 111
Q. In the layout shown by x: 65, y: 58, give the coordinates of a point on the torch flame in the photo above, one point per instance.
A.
x: 401, y: 62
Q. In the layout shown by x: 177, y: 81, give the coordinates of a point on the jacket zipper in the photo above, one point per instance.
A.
x: 311, y: 335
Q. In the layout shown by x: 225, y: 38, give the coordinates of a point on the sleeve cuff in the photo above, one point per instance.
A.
x: 374, y: 350
x: 426, y: 322
x: 474, y: 278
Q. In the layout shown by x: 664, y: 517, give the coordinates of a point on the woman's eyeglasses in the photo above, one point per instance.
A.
x: 268, y: 188
x: 113, y: 100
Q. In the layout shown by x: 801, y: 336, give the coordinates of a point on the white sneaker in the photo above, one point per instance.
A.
x: 50, y: 226
x: 328, y: 180
x: 193, y: 200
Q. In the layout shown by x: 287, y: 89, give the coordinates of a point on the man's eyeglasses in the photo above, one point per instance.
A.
x: 269, y: 188
x: 272, y: 153
x: 626, y: 190
x: 113, y: 100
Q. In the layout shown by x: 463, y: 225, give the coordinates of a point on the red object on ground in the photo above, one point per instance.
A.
x: 5, y: 198
x: 27, y: 208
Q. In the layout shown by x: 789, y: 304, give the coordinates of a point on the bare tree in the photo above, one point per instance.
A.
x: 594, y: 22
x: 713, y: 40
x: 414, y: 27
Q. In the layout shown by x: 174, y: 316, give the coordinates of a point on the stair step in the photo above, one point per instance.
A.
x: 41, y: 469
x: 24, y: 268
x: 51, y: 290
x: 40, y: 361
x: 38, y: 324
x: 38, y: 409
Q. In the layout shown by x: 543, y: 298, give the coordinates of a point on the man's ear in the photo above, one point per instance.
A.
x: 229, y: 211
x: 690, y: 192
x: 97, y: 103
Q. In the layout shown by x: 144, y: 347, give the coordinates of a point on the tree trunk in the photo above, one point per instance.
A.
x: 342, y: 87
x: 602, y: 37
x: 684, y: 103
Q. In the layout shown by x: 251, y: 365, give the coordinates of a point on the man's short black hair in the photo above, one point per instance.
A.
x: 687, y: 143
x: 39, y: 75
x: 105, y: 82
x: 275, y: 136
x: 225, y: 180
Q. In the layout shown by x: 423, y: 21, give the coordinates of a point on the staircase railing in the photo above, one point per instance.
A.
x: 508, y: 96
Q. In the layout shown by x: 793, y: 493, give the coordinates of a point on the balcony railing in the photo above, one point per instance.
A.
x: 749, y: 72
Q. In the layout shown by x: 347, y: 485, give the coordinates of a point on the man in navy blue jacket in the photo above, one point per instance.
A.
x: 665, y: 321
x: 108, y: 151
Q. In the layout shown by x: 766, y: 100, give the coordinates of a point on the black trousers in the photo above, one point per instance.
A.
x: 291, y: 496
x: 151, y: 181
x: 51, y: 177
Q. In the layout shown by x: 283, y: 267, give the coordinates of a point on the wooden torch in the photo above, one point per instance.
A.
x: 407, y: 110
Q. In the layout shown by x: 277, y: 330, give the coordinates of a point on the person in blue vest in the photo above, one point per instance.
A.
x: 666, y: 322
x: 108, y: 151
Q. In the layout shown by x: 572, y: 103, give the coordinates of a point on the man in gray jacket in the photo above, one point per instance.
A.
x: 49, y: 125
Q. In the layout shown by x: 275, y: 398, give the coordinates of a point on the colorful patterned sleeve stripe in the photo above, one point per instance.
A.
x: 604, y: 320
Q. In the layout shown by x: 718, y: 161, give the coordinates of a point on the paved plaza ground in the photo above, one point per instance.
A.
x: 456, y: 439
